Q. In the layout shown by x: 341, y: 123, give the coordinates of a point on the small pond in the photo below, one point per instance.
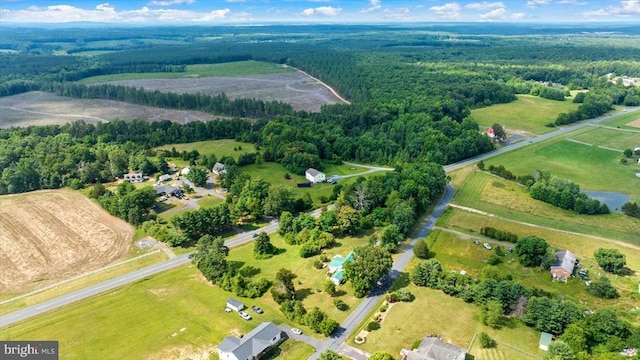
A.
x: 613, y: 200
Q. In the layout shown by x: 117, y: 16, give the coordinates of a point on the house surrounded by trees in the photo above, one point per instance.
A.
x: 314, y: 175
x: 564, y: 266
x: 336, y: 267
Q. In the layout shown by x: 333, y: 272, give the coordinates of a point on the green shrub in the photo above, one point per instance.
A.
x: 486, y: 341
x: 373, y: 325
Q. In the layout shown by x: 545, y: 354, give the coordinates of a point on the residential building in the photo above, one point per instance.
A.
x: 432, y: 348
x: 251, y: 346
x: 133, y: 177
x: 165, y: 177
x: 314, y: 175
x: 336, y: 267
x: 563, y: 268
x: 219, y: 169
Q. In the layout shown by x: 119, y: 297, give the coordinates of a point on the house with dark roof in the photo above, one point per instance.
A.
x: 314, y: 175
x: 432, y: 348
x: 167, y: 190
x: 251, y: 346
x: 219, y: 169
x: 563, y: 268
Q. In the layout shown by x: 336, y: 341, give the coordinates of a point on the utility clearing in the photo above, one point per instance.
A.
x: 48, y: 236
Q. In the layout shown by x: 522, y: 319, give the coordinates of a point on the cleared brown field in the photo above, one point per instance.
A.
x: 47, y: 236
x: 42, y: 108
x: 635, y: 123
x: 295, y: 88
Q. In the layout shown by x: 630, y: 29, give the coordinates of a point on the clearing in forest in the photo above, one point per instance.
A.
x: 48, y: 236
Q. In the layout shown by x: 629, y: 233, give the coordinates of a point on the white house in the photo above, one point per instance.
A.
x: 133, y: 177
x: 234, y: 304
x: 185, y: 171
x: 165, y: 177
x: 251, y: 346
x: 314, y: 175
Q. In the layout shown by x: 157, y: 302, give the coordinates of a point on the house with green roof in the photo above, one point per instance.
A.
x: 336, y: 267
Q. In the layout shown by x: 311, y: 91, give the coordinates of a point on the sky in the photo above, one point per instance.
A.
x: 219, y: 12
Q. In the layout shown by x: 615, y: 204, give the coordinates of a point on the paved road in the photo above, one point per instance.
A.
x: 356, y: 316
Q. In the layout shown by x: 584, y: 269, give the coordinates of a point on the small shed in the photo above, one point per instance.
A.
x: 234, y: 304
x: 219, y: 169
x: 165, y: 177
x: 185, y: 171
x: 545, y: 341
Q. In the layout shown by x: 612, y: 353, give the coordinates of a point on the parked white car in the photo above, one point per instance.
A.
x: 244, y: 315
x: 296, y: 331
x: 487, y: 246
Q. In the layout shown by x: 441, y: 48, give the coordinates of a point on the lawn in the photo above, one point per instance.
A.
x: 528, y: 114
x: 209, y: 201
x: 510, y: 200
x: 461, y: 254
x: 433, y: 312
x: 237, y: 68
x: 291, y: 349
x: 590, y: 167
x: 611, y: 138
x: 219, y: 148
x: 183, y: 312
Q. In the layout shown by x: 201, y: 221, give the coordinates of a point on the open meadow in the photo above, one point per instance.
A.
x: 50, y: 235
x: 179, y: 326
x: 490, y: 194
x: 629, y: 121
x: 42, y: 108
x: 590, y: 167
x: 529, y: 114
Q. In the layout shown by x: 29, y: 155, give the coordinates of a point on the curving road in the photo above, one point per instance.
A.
x: 357, y: 315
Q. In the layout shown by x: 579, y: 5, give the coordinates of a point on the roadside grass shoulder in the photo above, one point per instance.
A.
x: 582, y: 245
x: 622, y: 121
x: 611, y: 138
x: 528, y: 113
x: 236, y: 68
x: 509, y: 200
x: 209, y: 201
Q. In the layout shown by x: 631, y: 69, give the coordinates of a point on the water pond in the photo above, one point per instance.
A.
x: 613, y: 200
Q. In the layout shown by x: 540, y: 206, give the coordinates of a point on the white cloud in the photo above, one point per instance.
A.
x: 448, y: 11
x: 374, y: 5
x: 235, y: 1
x: 485, y: 6
x: 517, y: 16
x: 535, y: 3
x: 322, y: 10
x: 402, y: 13
x: 108, y: 13
x: 571, y: 2
x: 170, y: 2
x: 494, y: 14
x: 626, y: 8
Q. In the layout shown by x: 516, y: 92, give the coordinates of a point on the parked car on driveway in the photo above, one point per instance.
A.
x: 244, y: 315
x: 257, y: 309
x: 296, y: 331
x: 487, y: 246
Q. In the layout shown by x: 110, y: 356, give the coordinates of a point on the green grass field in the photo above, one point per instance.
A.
x: 590, y: 167
x: 433, y: 312
x: 89, y: 329
x: 290, y: 349
x: 614, y: 139
x: 623, y: 121
x: 237, y: 68
x: 529, y: 114
x: 509, y: 200
x: 219, y: 148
